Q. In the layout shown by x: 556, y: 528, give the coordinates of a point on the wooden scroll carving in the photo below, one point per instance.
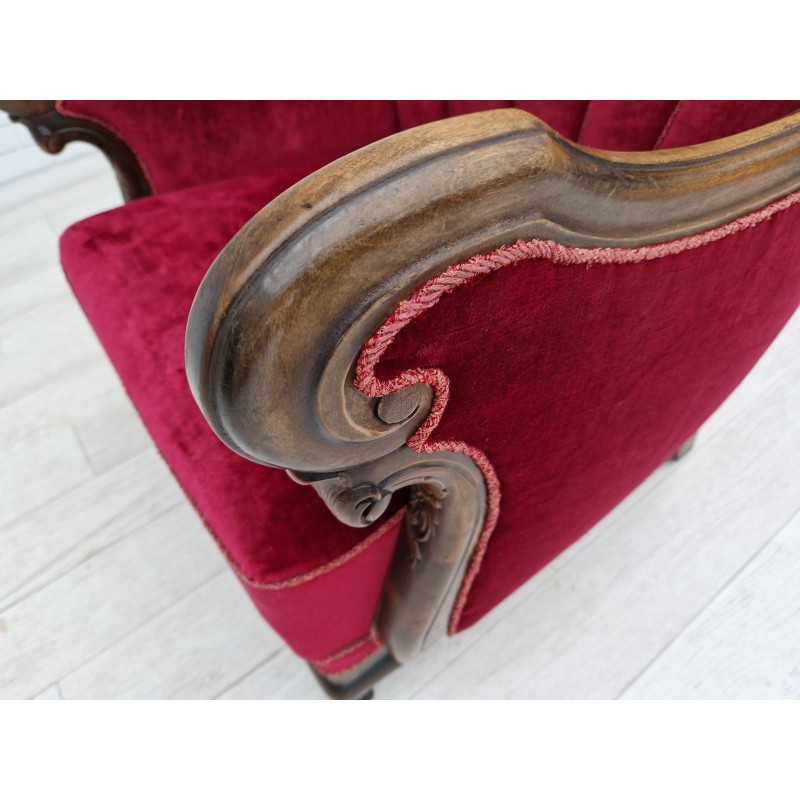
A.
x: 52, y: 130
x: 283, y: 313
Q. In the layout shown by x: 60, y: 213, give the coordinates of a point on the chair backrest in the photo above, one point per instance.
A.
x: 578, y: 379
x: 185, y: 143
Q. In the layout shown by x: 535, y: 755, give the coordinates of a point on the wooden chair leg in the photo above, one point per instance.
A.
x: 358, y: 683
x: 684, y: 448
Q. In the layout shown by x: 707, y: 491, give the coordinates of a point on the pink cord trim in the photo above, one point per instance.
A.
x: 317, y: 572
x: 427, y: 295
x: 109, y: 127
x: 328, y: 664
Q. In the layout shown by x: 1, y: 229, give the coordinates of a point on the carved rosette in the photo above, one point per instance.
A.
x: 422, y: 516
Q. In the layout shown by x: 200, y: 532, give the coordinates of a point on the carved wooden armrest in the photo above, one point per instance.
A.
x: 280, y: 321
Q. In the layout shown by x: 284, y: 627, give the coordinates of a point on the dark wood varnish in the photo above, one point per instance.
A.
x: 283, y: 313
x: 281, y: 317
x: 443, y: 522
x: 52, y: 130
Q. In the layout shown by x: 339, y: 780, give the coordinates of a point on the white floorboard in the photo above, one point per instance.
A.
x: 110, y: 587
x: 68, y: 530
x: 54, y: 631
x: 28, y: 354
x: 52, y: 693
x: 746, y: 642
x: 24, y: 295
x: 93, y: 404
x: 195, y: 649
x: 25, y: 250
x: 26, y: 485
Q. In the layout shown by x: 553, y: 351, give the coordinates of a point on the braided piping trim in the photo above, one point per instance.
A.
x: 348, y: 657
x: 429, y: 294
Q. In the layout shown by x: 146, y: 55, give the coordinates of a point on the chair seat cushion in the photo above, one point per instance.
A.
x: 135, y: 271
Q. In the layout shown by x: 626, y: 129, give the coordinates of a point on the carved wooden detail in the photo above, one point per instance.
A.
x: 442, y: 524
x: 52, y: 130
x: 281, y: 317
x: 425, y: 507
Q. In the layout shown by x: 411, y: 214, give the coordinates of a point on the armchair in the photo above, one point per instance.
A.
x: 473, y: 338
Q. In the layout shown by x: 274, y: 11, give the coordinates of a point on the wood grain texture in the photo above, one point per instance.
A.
x: 276, y: 678
x: 92, y: 402
x: 283, y: 313
x: 53, y: 693
x: 23, y: 296
x: 444, y: 520
x: 345, y: 245
x: 25, y: 251
x: 40, y: 186
x: 85, y: 182
x: 451, y: 661
x: 26, y: 348
x: 26, y: 485
x: 598, y: 658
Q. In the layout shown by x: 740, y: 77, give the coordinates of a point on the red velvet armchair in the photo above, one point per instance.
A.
x: 472, y: 338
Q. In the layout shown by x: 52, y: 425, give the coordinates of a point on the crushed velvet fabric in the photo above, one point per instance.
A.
x: 695, y: 121
x: 325, y: 610
x: 188, y: 142
x: 135, y: 271
x: 596, y: 377
x: 625, y: 124
x: 564, y: 116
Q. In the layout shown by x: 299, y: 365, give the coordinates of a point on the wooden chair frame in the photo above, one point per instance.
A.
x: 281, y: 318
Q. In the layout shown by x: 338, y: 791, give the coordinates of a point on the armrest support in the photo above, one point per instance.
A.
x: 52, y: 130
x: 279, y: 322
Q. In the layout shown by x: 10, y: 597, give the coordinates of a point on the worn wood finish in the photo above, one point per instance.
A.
x: 52, y: 130
x: 281, y: 317
x: 344, y: 246
x: 357, y: 683
x: 445, y: 516
x: 444, y: 520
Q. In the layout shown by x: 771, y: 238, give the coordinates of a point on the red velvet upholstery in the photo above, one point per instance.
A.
x: 604, y: 371
x: 625, y: 124
x: 696, y: 121
x: 135, y: 271
x: 596, y: 379
x: 188, y: 143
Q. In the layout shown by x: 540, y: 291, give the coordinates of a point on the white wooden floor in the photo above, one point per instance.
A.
x: 111, y: 588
